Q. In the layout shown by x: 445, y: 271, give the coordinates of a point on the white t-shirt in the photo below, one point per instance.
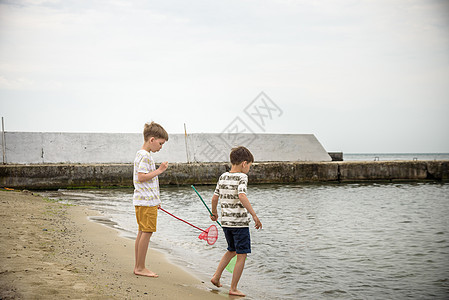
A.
x: 145, y: 193
x: 229, y: 186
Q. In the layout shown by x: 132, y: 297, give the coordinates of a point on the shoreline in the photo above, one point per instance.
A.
x: 49, y: 249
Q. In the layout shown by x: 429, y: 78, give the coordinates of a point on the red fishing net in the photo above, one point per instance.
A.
x: 210, y: 235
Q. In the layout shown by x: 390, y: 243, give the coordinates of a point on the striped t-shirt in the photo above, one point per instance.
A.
x: 229, y: 186
x: 145, y: 193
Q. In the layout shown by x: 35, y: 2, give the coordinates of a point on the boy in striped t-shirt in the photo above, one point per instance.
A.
x: 235, y: 206
x: 146, y: 197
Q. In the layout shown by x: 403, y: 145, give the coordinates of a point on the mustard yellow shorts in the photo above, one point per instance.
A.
x: 146, y: 218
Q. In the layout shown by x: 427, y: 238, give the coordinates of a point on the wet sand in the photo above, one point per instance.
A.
x: 50, y: 250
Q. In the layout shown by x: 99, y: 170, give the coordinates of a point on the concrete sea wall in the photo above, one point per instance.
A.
x: 93, y: 148
x: 54, y: 176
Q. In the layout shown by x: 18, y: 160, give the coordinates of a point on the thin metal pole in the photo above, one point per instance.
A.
x: 187, y: 149
x: 3, y: 142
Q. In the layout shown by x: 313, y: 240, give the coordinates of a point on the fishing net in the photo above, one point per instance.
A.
x: 210, y: 235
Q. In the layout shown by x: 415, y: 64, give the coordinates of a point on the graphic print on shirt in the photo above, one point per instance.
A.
x: 233, y: 213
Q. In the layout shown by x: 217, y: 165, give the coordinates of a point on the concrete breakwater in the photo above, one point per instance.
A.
x: 107, y: 148
x: 55, y: 176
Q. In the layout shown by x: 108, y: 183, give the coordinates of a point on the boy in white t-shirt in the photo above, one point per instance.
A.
x: 235, y: 206
x: 146, y: 197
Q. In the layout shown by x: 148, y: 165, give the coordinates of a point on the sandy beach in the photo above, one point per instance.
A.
x: 50, y: 250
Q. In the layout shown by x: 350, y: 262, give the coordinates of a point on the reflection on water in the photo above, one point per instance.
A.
x: 350, y: 241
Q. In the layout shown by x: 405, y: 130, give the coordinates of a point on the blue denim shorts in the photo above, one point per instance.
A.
x: 238, y: 239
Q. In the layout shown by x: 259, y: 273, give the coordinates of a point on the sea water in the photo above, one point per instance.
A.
x: 322, y: 241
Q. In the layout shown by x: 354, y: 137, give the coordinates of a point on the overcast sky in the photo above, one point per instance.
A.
x: 363, y: 76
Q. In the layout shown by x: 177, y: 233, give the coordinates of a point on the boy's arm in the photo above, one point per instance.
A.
x: 214, y: 216
x: 142, y: 177
x: 245, y: 202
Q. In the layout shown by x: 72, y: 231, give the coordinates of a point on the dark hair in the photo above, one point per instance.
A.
x: 154, y: 130
x: 241, y: 154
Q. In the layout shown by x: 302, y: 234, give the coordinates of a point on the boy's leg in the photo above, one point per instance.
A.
x: 136, y: 246
x: 238, y: 270
x: 221, y: 266
x: 141, y: 248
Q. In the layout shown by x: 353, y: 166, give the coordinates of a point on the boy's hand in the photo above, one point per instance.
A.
x: 163, y: 166
x: 214, y: 217
x: 257, y: 222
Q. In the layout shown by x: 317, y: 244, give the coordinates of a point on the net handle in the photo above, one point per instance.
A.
x: 204, y: 203
x: 181, y: 219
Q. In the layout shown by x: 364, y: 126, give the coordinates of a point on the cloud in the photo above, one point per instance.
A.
x: 338, y: 59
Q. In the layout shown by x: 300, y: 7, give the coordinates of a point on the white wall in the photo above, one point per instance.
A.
x: 49, y: 147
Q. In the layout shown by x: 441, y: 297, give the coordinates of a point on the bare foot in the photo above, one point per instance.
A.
x: 236, y: 293
x: 216, y: 282
x: 146, y: 272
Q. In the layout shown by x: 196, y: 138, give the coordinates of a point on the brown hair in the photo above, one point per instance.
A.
x: 241, y: 154
x: 154, y: 130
